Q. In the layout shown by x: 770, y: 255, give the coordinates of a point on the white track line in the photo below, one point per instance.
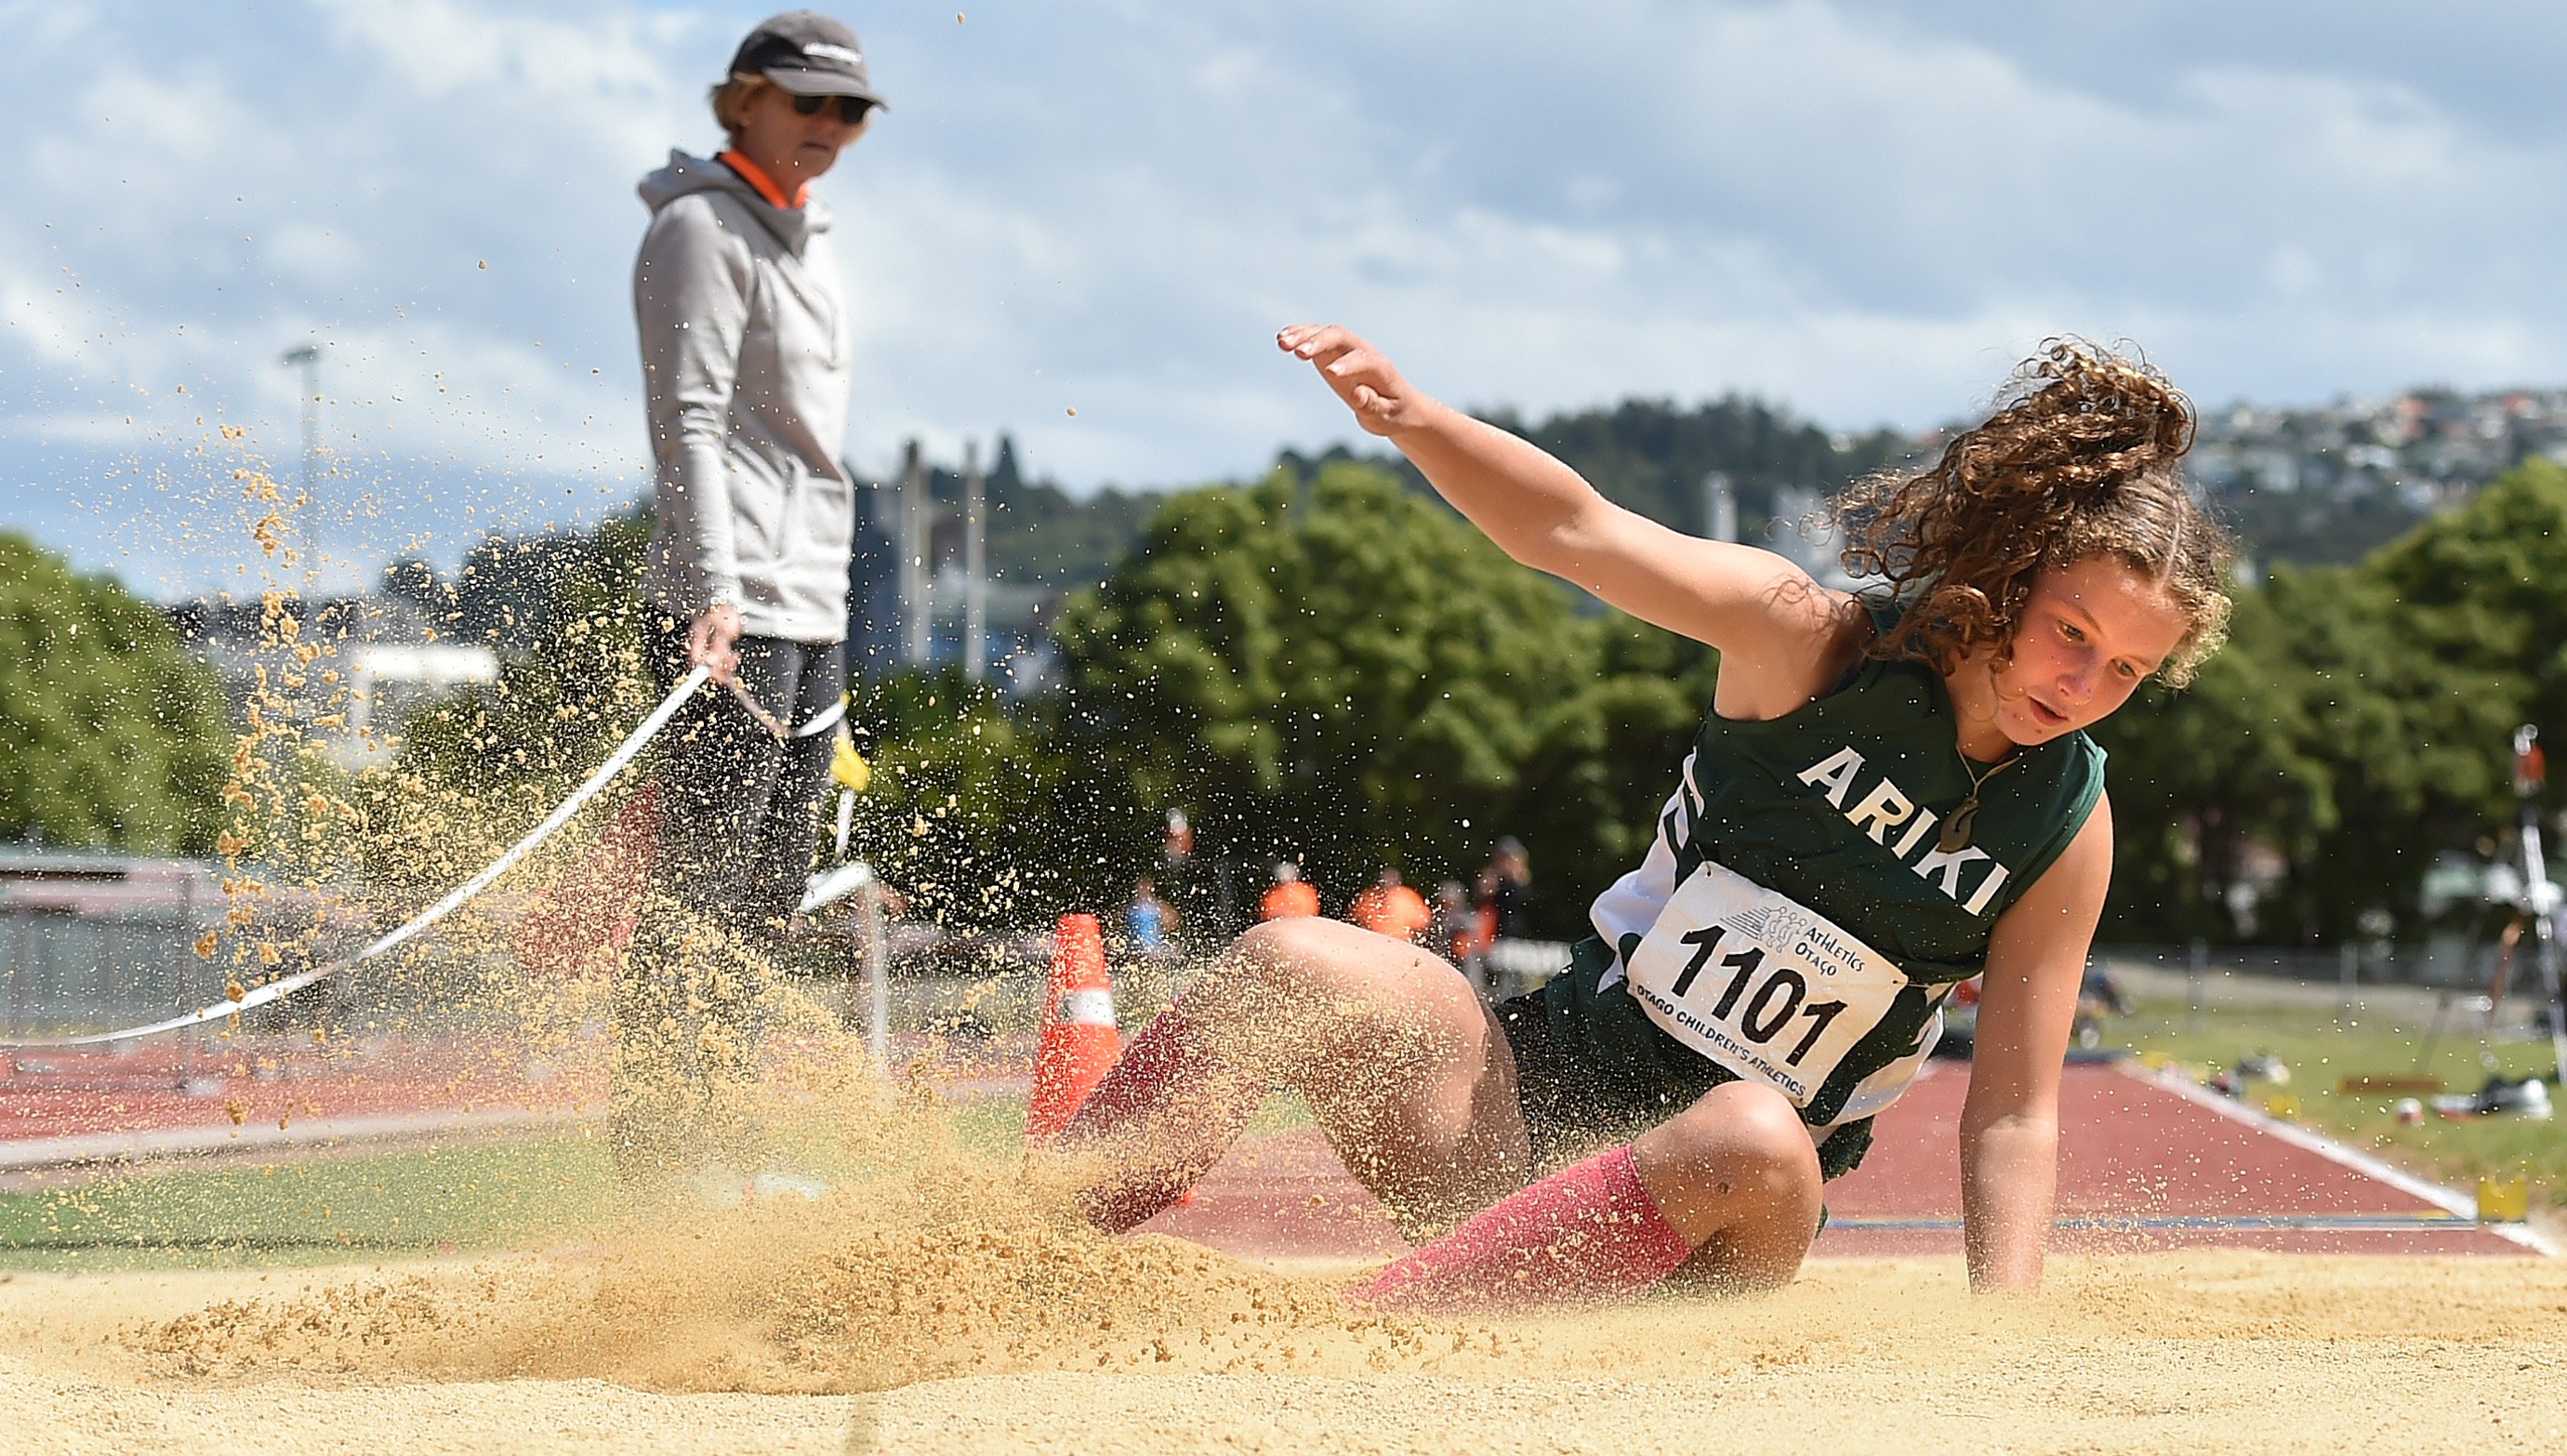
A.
x: 170, y: 1142
x: 2450, y: 1200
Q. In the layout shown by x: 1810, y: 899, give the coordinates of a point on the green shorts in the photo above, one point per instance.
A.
x: 1591, y: 1068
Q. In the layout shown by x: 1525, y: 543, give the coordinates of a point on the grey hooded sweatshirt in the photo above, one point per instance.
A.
x: 745, y: 363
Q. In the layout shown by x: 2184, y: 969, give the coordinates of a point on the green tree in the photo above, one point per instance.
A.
x: 478, y: 767
x: 1652, y: 456
x: 1648, y: 454
x: 2327, y: 734
x: 2487, y: 589
x: 956, y: 815
x: 2414, y: 743
x: 2195, y: 776
x: 111, y: 733
x: 1339, y: 671
x: 1587, y: 802
x: 2356, y: 726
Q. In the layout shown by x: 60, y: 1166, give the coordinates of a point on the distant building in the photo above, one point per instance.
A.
x: 2445, y: 441
x: 382, y: 654
x: 387, y: 679
x: 913, y: 606
x: 874, y: 579
x: 1803, y: 534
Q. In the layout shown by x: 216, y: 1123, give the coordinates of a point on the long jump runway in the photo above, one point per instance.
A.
x: 2146, y: 1163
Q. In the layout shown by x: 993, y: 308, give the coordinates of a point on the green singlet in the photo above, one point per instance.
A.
x: 1836, y: 807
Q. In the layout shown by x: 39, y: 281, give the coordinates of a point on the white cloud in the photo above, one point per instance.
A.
x: 1865, y: 211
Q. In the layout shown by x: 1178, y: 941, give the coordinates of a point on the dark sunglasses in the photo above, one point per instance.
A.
x: 851, y: 109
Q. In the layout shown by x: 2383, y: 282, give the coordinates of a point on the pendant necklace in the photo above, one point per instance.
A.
x: 1955, y: 835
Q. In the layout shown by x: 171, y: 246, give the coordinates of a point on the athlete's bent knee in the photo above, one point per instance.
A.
x: 1287, y: 973
x: 1276, y: 943
x: 1737, y: 1140
x: 1311, y: 956
x: 1277, y: 957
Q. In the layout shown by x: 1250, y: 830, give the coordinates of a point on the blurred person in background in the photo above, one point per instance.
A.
x: 1484, y: 908
x: 1455, y: 933
x: 746, y: 360
x: 1289, y: 896
x: 1147, y: 920
x: 1511, y: 872
x: 1183, y: 884
x: 1388, y: 907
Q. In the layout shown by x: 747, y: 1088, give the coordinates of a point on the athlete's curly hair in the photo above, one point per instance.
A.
x: 2079, y: 459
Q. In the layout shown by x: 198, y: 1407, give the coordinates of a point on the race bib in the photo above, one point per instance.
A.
x: 1759, y: 983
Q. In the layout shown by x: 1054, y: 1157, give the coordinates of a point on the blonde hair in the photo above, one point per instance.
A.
x: 730, y: 101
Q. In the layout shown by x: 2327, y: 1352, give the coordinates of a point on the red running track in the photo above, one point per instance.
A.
x: 2141, y: 1166
x: 168, y: 1093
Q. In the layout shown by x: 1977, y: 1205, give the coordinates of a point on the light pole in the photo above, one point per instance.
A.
x: 917, y: 541
x: 2539, y: 895
x: 975, y: 567
x: 309, y: 508
x: 1719, y: 507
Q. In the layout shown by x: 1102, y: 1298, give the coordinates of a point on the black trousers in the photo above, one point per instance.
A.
x: 738, y: 810
x: 737, y: 821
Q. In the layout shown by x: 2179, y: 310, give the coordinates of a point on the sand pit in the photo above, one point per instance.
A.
x: 937, y: 1300
x: 984, y: 1330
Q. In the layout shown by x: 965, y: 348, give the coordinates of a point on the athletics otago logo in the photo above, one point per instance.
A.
x: 1888, y: 807
x: 1757, y: 921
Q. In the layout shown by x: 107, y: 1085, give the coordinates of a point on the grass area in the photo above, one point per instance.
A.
x: 315, y: 1211
x: 404, y: 1205
x: 2321, y: 1051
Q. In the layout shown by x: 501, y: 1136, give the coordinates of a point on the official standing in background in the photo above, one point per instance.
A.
x: 746, y: 361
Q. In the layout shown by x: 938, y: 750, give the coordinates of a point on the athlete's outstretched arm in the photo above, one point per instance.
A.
x: 2027, y: 1010
x: 1741, y: 600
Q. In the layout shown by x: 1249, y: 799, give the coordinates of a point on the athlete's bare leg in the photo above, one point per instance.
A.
x: 1402, y: 1062
x: 1726, y: 1190
x: 1736, y: 1175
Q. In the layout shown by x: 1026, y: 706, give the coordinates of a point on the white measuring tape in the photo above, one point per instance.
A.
x: 284, y: 986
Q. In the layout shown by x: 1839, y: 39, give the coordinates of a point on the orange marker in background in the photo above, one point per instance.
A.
x: 1079, y: 1039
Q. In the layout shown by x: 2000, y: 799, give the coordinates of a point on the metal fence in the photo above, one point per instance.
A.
x: 90, y: 942
x: 94, y: 940
x: 65, y: 969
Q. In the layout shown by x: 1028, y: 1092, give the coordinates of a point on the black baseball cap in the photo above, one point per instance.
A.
x: 807, y: 53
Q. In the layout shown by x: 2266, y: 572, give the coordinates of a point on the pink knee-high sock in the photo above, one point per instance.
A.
x: 1589, y: 1234
x: 1163, y: 1063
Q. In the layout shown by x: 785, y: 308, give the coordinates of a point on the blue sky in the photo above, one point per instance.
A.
x: 1861, y: 210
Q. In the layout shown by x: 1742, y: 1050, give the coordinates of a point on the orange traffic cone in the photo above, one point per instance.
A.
x: 1079, y: 1037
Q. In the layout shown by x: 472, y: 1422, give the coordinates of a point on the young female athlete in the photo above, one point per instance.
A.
x: 1891, y: 793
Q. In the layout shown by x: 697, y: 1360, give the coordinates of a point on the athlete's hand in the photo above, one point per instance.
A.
x: 713, y: 641
x: 1371, y: 385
